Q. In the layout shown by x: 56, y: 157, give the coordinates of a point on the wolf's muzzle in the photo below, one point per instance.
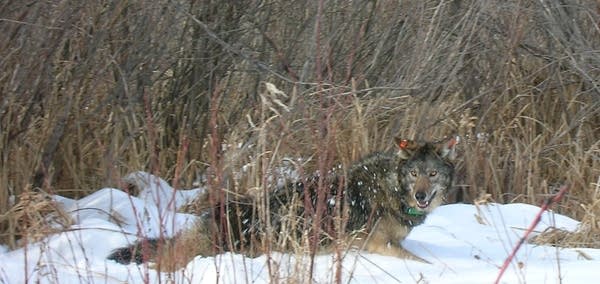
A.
x: 422, y: 200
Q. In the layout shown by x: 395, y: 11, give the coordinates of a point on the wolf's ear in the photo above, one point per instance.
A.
x: 447, y: 150
x: 405, y: 147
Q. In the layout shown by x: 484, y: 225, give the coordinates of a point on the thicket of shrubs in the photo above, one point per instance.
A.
x: 91, y: 91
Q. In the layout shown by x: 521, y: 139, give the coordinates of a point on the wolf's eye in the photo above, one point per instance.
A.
x: 433, y: 173
x: 413, y: 173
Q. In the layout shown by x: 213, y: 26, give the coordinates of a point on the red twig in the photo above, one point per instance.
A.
x: 536, y: 221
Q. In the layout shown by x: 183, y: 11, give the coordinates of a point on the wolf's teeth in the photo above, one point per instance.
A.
x: 423, y: 205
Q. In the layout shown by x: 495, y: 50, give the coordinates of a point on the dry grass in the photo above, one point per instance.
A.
x: 180, y: 88
x: 588, y: 234
x: 34, y: 217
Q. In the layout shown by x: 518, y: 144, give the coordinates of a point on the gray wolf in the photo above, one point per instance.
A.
x: 372, y: 207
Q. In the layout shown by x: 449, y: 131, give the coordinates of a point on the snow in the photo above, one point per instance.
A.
x: 463, y: 243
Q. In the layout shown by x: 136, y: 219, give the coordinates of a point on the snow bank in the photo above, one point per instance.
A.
x: 464, y: 243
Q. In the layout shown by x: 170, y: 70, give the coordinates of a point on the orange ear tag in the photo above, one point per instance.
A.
x: 403, y: 143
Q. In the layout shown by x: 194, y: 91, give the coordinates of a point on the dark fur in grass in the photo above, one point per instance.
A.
x: 383, y: 197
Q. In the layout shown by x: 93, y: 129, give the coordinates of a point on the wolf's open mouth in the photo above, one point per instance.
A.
x: 425, y: 203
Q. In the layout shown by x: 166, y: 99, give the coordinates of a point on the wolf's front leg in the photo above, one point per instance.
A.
x: 385, y: 238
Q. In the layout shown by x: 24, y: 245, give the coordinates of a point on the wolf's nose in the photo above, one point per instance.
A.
x: 420, y: 196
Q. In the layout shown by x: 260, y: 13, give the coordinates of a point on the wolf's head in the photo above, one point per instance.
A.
x: 425, y: 172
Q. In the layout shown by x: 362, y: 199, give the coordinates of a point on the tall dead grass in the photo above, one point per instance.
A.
x: 181, y: 88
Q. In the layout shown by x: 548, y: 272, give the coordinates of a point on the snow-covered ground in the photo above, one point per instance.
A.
x: 464, y: 243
